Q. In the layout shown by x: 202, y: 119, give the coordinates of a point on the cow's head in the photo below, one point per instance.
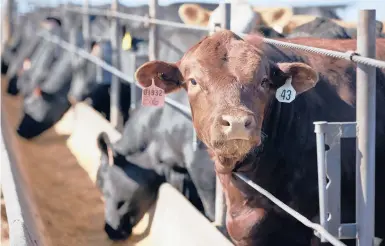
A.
x: 128, y: 190
x: 230, y: 83
x: 83, y: 86
x: 41, y: 110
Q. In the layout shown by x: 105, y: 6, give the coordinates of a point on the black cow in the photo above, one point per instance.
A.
x: 127, y: 199
x: 320, y: 27
x: 98, y: 87
x: 41, y: 62
x: 158, y: 139
x: 267, y: 31
x: 49, y: 100
x: 40, y: 54
x: 23, y: 31
x: 352, y: 32
x: 31, y: 50
x: 165, y: 137
x: 319, y: 11
x: 326, y: 28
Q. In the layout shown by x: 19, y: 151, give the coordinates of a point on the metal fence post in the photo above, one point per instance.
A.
x: 115, y: 112
x: 7, y: 21
x: 366, y: 126
x: 320, y: 138
x: 153, y: 33
x: 72, y: 38
x: 220, y: 206
x: 225, y: 15
x: 86, y: 26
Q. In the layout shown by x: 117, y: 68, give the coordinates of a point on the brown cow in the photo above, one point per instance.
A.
x: 231, y: 85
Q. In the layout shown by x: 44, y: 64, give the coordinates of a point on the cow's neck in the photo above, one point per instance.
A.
x: 266, y: 167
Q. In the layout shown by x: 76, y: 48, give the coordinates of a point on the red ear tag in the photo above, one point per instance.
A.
x: 37, y: 91
x: 26, y: 64
x: 153, y: 95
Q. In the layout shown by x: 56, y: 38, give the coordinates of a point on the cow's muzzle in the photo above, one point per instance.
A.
x: 120, y: 234
x: 30, y: 128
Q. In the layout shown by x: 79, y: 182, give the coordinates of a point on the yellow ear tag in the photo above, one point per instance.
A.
x: 127, y: 41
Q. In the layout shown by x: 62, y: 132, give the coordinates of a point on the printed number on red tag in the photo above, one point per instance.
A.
x: 153, y: 95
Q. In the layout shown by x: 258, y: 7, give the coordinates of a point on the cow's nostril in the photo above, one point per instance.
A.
x: 224, y: 122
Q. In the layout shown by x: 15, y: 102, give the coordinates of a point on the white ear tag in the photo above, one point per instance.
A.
x: 286, y: 93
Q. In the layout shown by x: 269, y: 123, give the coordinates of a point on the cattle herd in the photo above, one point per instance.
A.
x: 231, y: 85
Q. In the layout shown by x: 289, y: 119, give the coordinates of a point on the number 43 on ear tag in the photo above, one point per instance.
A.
x: 153, y: 95
x: 286, y: 93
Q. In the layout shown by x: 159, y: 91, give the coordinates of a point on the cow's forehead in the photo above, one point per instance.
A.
x: 223, y: 53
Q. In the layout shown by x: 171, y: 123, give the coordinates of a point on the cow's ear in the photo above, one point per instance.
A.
x: 194, y: 14
x: 104, y: 145
x: 166, y: 75
x: 303, y: 76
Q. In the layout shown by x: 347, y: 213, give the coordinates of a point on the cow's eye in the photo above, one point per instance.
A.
x: 265, y: 82
x: 193, y: 82
x: 120, y: 204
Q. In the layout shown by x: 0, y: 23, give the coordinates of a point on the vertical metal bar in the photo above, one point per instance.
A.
x: 220, y: 206
x: 115, y: 111
x: 153, y: 34
x: 72, y: 38
x: 7, y: 19
x: 133, y: 85
x: 225, y: 15
x: 86, y: 26
x: 320, y: 136
x: 366, y: 126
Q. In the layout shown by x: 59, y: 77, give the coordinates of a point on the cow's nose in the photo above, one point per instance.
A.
x: 116, y: 235
x: 237, y: 126
x: 245, y: 121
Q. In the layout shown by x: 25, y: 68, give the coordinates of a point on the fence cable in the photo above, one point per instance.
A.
x: 292, y: 212
x: 336, y: 54
x: 86, y: 55
x: 139, y: 18
x: 331, y: 53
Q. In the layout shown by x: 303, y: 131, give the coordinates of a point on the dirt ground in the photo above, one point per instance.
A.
x: 68, y: 202
x: 4, y: 225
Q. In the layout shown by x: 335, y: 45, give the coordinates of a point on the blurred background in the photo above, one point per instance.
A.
x: 348, y: 10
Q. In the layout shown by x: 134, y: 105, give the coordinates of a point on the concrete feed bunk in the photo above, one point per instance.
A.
x: 60, y: 203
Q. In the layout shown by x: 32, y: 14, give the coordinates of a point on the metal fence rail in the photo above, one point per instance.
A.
x: 86, y: 55
x: 331, y: 53
x: 139, y: 18
x: 365, y: 236
x: 22, y: 218
x: 317, y: 227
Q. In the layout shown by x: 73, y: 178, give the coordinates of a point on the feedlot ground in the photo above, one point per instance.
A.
x: 68, y: 202
x: 4, y: 225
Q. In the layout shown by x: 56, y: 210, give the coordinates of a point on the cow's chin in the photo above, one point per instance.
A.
x: 235, y: 149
